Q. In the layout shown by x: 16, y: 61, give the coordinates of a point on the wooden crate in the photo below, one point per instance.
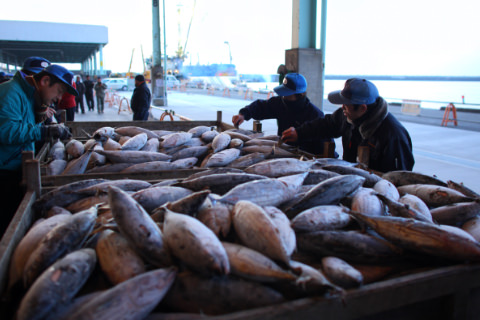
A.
x: 451, y: 292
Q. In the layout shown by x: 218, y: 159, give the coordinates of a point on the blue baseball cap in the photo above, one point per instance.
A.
x: 35, y: 64
x: 63, y: 75
x: 356, y: 91
x: 292, y: 83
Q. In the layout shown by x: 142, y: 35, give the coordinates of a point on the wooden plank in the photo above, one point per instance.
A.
x: 21, y: 222
x: 48, y: 181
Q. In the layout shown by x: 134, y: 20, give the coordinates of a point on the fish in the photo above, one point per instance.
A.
x: 198, y: 131
x: 217, y: 170
x: 365, y: 201
x: 117, y: 257
x: 325, y: 217
x: 263, y: 192
x: 327, y: 192
x: 422, y: 237
x: 284, y: 229
x: 456, y: 214
x: 56, y: 167
x: 74, y: 148
x: 208, y: 136
x: 194, y: 244
x: 247, y: 160
x: 217, y: 217
x: 472, y: 226
x: 388, y: 189
x: 313, y: 280
x: 279, y: 167
x: 175, y: 139
x: 219, y: 183
x: 315, y: 176
x: 152, y: 145
x: 86, y: 203
x: 136, y: 142
x: 433, y: 195
x: 352, y: 246
x: 238, y: 135
x: 253, y: 265
x: 370, y: 178
x: 134, y: 156
x: 137, y: 226
x: 132, y: 299
x: 124, y: 184
x: 194, y: 294
x: 194, y: 142
x: 96, y: 159
x: 198, y: 152
x: 223, y: 158
x: 57, y: 285
x: 417, y: 204
x: 221, y: 142
x: 61, y: 240
x: 111, y: 144
x: 403, y: 177
x: 28, y: 244
x: 154, y: 197
x: 63, y: 195
x: 235, y: 143
x: 54, y: 211
x: 134, y: 130
x: 398, y: 209
x: 261, y: 142
x: 185, y: 163
x: 58, y: 154
x: 463, y: 189
x: 341, y: 273
x: 79, y: 165
x: 103, y: 133
x: 114, y: 167
x: 150, y: 166
x: 190, y: 204
x: 256, y: 230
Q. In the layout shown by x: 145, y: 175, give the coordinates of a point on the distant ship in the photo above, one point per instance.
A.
x: 210, y: 70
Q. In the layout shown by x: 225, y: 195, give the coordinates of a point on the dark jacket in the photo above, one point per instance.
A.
x: 292, y: 115
x: 89, y: 87
x: 80, y: 89
x: 140, y: 102
x: 389, y: 143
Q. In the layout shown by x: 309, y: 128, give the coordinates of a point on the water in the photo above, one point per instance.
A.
x: 433, y: 94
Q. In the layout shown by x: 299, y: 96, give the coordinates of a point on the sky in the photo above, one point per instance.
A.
x: 364, y: 37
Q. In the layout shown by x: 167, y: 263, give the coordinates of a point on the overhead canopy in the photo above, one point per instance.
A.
x: 57, y: 42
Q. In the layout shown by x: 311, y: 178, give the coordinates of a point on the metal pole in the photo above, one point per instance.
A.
x: 164, y: 56
x: 323, y: 36
x: 229, y: 51
x: 157, y: 70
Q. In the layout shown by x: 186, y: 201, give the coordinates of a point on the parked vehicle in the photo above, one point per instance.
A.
x: 172, y: 81
x: 116, y: 83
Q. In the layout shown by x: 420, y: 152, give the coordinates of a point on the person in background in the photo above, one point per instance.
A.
x: 89, y: 93
x: 291, y: 108
x: 69, y: 104
x: 3, y: 77
x: 363, y: 120
x: 100, y: 94
x: 81, y: 91
x: 19, y: 131
x: 141, y: 99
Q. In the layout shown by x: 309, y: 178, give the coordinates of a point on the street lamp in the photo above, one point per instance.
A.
x: 229, y: 51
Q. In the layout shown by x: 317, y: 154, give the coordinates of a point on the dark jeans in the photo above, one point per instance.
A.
x: 11, y: 194
x: 142, y: 115
x: 70, y: 114
x: 89, y: 99
x: 79, y: 101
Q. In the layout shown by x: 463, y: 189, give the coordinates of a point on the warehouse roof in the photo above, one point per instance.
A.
x: 57, y: 42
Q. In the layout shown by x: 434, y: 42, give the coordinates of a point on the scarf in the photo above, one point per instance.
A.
x: 373, y: 118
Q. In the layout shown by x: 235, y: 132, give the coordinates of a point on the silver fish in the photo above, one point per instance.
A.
x: 326, y: 217
x: 223, y: 158
x: 221, y: 142
x: 433, y: 195
x: 152, y: 198
x: 136, y: 142
x: 74, y: 148
x: 403, y: 177
x: 279, y: 167
x: 134, y: 130
x: 78, y: 166
x: 134, y: 156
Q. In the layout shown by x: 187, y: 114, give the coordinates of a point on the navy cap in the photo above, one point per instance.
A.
x: 356, y: 91
x: 63, y: 75
x: 35, y: 64
x: 292, y: 83
x: 140, y: 78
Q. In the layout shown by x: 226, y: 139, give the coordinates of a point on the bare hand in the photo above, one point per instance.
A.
x: 50, y: 112
x: 237, y: 120
x: 290, y: 135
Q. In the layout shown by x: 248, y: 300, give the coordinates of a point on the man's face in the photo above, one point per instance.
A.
x: 352, y: 114
x: 50, y: 94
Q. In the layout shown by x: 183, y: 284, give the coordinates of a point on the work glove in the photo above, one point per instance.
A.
x: 56, y: 131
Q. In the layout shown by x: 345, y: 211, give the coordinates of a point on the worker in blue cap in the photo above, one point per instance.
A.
x: 362, y: 121
x: 290, y: 107
x: 19, y: 131
x: 33, y: 65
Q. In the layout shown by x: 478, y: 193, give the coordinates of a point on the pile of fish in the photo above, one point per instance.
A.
x: 135, y: 149
x: 228, y: 239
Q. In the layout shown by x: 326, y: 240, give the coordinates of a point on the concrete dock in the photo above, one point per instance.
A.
x: 447, y: 152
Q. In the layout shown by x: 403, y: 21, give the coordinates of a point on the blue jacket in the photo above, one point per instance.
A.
x: 275, y: 108
x: 18, y: 130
